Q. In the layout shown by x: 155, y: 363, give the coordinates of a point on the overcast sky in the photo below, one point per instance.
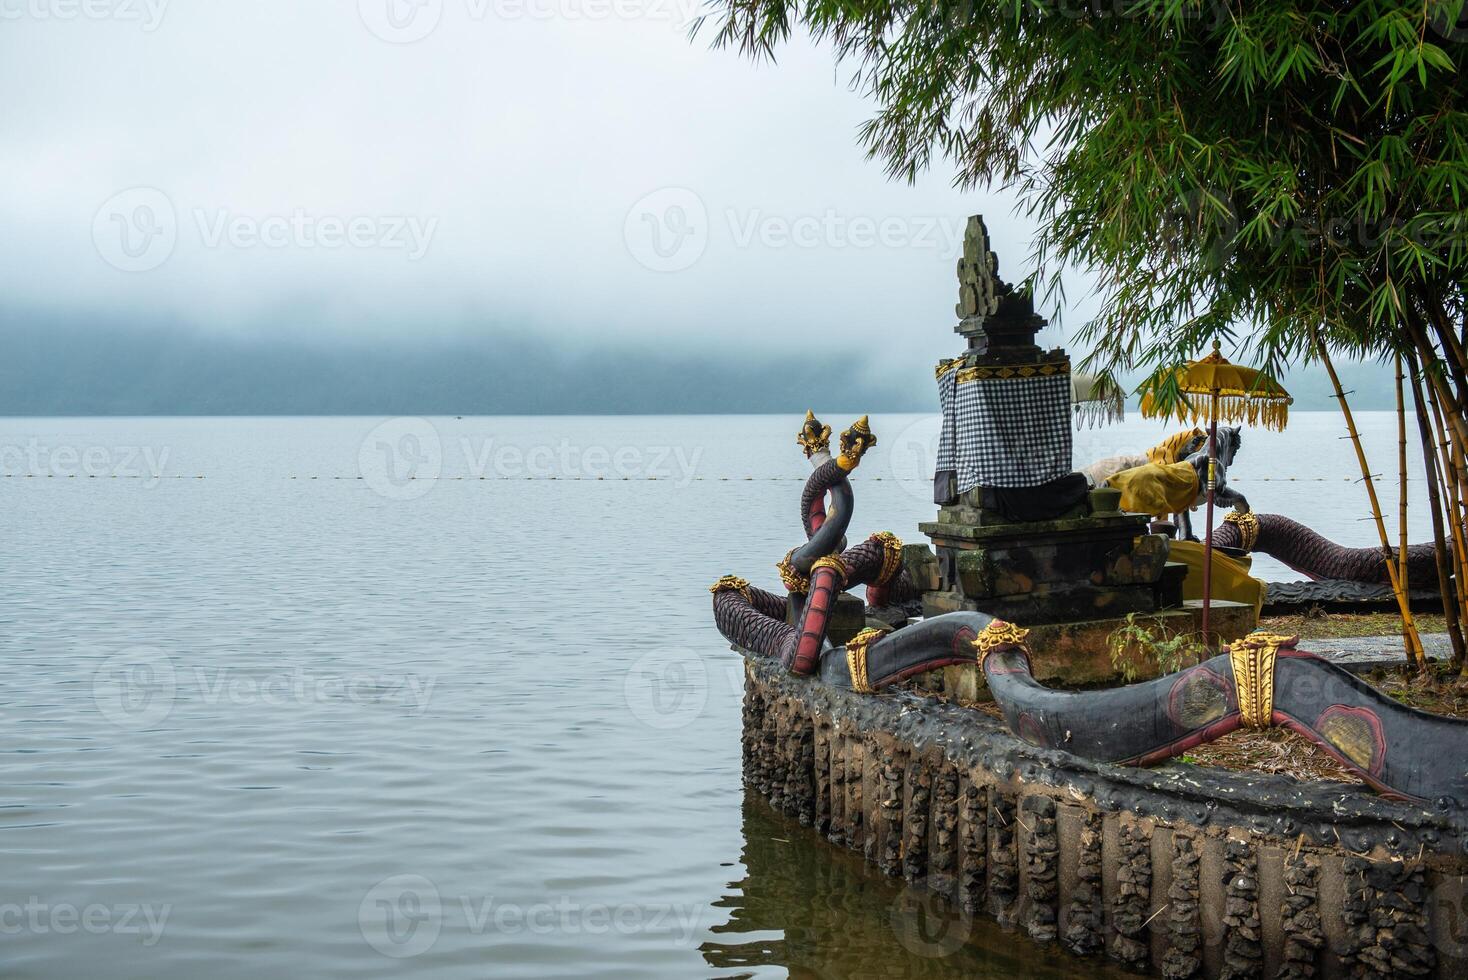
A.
x: 576, y: 170
x: 500, y: 163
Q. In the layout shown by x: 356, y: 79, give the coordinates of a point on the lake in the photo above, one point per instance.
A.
x: 349, y: 696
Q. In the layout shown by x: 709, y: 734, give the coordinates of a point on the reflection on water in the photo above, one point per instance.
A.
x: 819, y: 912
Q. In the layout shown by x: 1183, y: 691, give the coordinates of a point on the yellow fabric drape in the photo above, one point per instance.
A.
x: 1170, y: 450
x: 1231, y: 579
x: 1157, y: 489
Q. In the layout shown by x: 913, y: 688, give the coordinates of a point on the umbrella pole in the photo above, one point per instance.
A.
x: 1208, y: 525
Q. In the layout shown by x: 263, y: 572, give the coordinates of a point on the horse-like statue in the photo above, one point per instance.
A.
x: 1172, y: 477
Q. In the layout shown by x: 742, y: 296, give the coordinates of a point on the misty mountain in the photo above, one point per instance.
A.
x: 52, y: 364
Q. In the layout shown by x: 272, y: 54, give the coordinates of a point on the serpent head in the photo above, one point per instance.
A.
x: 813, y: 436
x: 855, y: 441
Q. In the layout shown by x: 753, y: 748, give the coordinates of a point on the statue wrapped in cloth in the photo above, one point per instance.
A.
x: 1174, y: 449
x: 1156, y: 488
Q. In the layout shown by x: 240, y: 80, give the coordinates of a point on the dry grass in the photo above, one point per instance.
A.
x: 1319, y: 624
x: 1273, y: 751
x: 1281, y: 752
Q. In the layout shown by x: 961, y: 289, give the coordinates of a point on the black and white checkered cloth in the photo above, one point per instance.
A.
x: 1004, y: 432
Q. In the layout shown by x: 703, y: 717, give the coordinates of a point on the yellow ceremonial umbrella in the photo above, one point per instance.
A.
x: 1231, y: 392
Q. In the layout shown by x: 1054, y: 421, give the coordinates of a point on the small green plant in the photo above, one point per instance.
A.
x: 1136, y: 645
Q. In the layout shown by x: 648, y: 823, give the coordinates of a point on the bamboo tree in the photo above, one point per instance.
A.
x: 1452, y: 605
x: 1414, y: 651
x: 1331, y: 195
x: 1450, y: 475
x: 1402, y: 574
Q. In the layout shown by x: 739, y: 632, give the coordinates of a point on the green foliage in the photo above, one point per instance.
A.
x: 1260, y: 171
x: 1134, y: 646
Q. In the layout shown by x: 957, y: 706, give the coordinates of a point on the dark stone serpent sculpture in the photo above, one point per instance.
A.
x: 1262, y: 680
x: 1317, y: 557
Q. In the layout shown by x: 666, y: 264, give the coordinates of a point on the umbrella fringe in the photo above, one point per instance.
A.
x: 1233, y: 406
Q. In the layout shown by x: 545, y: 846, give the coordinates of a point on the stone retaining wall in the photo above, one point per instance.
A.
x: 1177, y: 871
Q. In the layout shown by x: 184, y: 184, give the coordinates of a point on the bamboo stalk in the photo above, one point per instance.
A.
x: 1427, y: 355
x: 1451, y: 597
x: 1415, y: 654
x: 1402, y: 576
x: 1451, y: 476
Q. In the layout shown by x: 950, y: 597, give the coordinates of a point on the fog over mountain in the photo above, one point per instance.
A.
x: 60, y: 366
x: 459, y: 206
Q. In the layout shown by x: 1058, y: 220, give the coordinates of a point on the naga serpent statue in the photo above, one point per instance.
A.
x: 1317, y: 557
x: 1260, y: 681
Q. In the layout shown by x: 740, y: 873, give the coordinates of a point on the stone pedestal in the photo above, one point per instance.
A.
x: 1072, y: 582
x: 1047, y: 571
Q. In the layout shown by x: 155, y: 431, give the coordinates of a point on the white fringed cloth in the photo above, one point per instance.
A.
x: 1104, y: 469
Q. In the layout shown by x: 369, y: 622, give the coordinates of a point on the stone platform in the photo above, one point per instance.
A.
x: 1043, y: 572
x: 1177, y: 871
x: 1076, y: 654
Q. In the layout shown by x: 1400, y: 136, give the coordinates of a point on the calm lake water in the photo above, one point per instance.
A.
x: 345, y: 697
